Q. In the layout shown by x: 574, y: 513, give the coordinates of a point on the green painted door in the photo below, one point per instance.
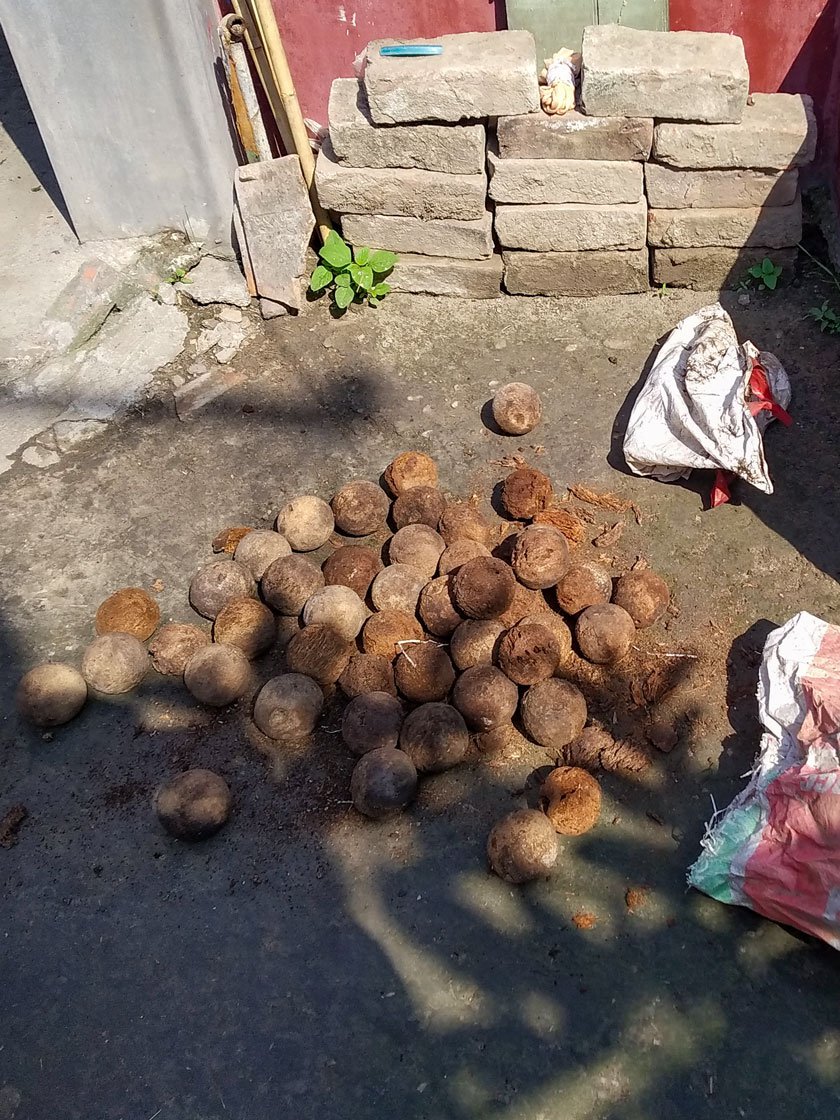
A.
x: 560, y: 23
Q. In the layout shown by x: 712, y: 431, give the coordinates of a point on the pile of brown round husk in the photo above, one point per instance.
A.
x: 440, y: 630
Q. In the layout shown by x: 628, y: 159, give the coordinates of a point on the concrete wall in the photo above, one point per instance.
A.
x: 126, y: 98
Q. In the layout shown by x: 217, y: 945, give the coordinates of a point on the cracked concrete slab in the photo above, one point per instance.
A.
x: 216, y: 281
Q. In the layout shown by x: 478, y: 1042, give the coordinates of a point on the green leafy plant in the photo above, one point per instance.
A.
x: 178, y: 276
x: 766, y: 273
x: 351, y: 275
x: 826, y: 317
x: 662, y: 291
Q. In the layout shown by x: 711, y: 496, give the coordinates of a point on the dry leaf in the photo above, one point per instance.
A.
x: 585, y: 515
x: 157, y: 585
x: 567, y: 522
x: 639, y: 564
x: 637, y: 692
x: 610, y: 536
x: 605, y: 500
x: 538, y: 448
x: 512, y: 462
x: 228, y: 539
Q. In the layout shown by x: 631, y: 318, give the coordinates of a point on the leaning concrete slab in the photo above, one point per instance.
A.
x: 479, y: 74
x: 672, y: 75
x: 536, y: 181
x: 576, y: 274
x: 670, y: 189
x: 573, y: 136
x: 572, y: 227
x: 779, y: 130
x: 776, y: 227
x: 713, y: 267
x: 406, y: 191
x: 435, y: 237
x: 447, y: 276
x: 358, y: 142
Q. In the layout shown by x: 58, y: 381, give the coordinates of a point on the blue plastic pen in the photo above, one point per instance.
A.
x: 409, y: 50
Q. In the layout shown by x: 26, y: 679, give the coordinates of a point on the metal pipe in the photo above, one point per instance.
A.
x: 255, y: 46
x: 246, y: 107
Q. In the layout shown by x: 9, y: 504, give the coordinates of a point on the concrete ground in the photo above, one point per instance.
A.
x: 308, y: 963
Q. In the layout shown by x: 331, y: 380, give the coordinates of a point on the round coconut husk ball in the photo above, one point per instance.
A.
x: 644, y: 595
x: 483, y: 588
x: 585, y: 584
x: 485, y: 697
x: 585, y: 751
x: 288, y: 582
x: 540, y: 556
x: 306, y: 523
x: 115, y: 663
x: 397, y: 588
x: 383, y: 632
x: 410, y: 469
x: 525, y: 493
x: 360, y: 508
x: 338, y: 607
x: 384, y: 782
x: 216, y: 584
x: 260, y: 548
x: 218, y: 675
x: 51, y: 694
x: 319, y: 652
x: 129, y: 611
x: 553, y: 713
x: 418, y: 546
x: 475, y: 642
x: 461, y: 521
x: 352, y: 566
x: 366, y: 672
x: 502, y: 742
x: 439, y: 614
x: 522, y: 846
x: 525, y: 602
x: 174, y: 644
x: 435, y: 737
x: 572, y: 800
x: 605, y: 633
x: 247, y: 624
x: 193, y: 805
x: 424, y: 673
x: 288, y: 707
x: 529, y: 653
x: 421, y: 505
x: 562, y: 633
x: 516, y: 408
x: 371, y: 721
x: 455, y: 555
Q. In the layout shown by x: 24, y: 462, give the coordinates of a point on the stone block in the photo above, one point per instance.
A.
x: 358, y: 142
x: 571, y: 227
x: 670, y: 189
x: 775, y: 227
x: 713, y: 267
x: 600, y: 272
x: 537, y: 181
x: 672, y: 75
x: 410, y: 192
x: 574, y: 136
x: 435, y: 237
x: 778, y: 130
x: 479, y: 74
x: 216, y: 281
x: 448, y: 276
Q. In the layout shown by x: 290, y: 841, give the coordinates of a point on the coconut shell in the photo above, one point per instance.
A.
x: 485, y: 697
x: 397, y: 588
x: 51, y: 694
x: 129, y: 611
x: 418, y: 546
x: 216, y: 584
x: 338, y: 607
x: 458, y: 553
x: 522, y: 846
x: 383, y: 632
x: 115, y: 663
x: 435, y: 737
x: 366, y: 672
x: 502, y: 743
x: 218, y: 675
x: 475, y: 642
x: 306, y: 522
x: 410, y: 469
x: 605, y: 633
x: 539, y: 557
x: 562, y: 633
x: 247, y: 624
x: 360, y: 508
x: 352, y: 566
x: 318, y: 652
x: 173, y: 646
x: 644, y: 595
x: 372, y: 720
x: 421, y: 505
x: 585, y: 584
x: 516, y: 408
x: 439, y: 614
x: 483, y: 588
x: 525, y: 493
x: 288, y: 582
x: 384, y: 782
x: 553, y: 713
x: 287, y: 707
x: 524, y: 604
x: 462, y: 521
x: 193, y: 805
x: 572, y: 800
x: 529, y: 653
x: 424, y: 672
x: 227, y: 540
x: 260, y: 548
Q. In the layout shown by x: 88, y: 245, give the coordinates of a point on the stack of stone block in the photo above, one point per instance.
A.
x: 405, y: 168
